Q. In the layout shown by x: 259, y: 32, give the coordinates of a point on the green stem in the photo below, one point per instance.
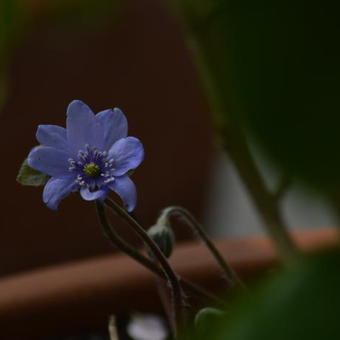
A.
x: 117, y: 242
x: 174, y: 282
x: 197, y: 228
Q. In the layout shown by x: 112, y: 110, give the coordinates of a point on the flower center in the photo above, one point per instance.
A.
x: 91, y: 169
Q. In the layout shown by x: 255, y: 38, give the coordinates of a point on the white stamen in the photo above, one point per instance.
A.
x: 111, y: 179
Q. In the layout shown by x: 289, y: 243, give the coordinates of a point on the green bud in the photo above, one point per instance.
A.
x: 205, y: 320
x: 164, y: 237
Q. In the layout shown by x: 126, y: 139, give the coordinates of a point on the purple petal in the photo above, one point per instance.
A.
x: 52, y: 135
x: 56, y: 189
x: 111, y: 125
x: 80, y: 126
x: 88, y: 195
x: 127, y: 153
x: 126, y: 189
x: 48, y: 160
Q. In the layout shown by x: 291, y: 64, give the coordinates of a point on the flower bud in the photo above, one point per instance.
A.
x: 164, y: 237
x: 206, y: 319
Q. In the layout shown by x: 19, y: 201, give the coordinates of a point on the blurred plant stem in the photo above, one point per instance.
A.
x: 164, y: 219
x: 207, y: 35
x: 177, y: 294
x: 265, y: 202
x: 284, y: 185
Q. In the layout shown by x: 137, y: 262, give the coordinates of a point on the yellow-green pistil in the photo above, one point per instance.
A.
x: 91, y: 169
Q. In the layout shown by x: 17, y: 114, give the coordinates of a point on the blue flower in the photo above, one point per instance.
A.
x: 93, y: 155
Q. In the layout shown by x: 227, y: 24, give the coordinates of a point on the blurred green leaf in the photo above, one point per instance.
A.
x: 29, y: 176
x: 18, y: 17
x: 9, y: 22
x: 274, y: 66
x: 301, y: 302
x: 10, y: 25
x: 78, y: 12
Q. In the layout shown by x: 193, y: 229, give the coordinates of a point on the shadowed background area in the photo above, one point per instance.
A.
x: 136, y: 60
x: 271, y: 75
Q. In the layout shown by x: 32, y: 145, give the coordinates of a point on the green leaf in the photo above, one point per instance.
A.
x: 29, y: 176
x: 301, y: 302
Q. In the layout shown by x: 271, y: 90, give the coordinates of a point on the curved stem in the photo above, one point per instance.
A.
x: 119, y: 243
x: 176, y: 289
x: 122, y: 245
x: 197, y: 228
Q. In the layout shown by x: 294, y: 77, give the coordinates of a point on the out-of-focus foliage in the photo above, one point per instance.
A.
x: 274, y: 66
x: 301, y: 302
x: 18, y: 17
x: 10, y: 23
x: 74, y: 12
x: 11, y: 18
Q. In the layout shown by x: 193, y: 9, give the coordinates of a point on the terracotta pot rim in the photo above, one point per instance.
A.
x: 82, y: 293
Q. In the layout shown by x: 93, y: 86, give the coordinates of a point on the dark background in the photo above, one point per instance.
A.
x: 136, y: 60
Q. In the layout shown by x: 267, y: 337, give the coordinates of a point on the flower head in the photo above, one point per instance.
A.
x: 93, y: 155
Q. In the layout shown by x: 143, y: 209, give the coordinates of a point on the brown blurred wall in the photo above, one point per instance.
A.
x: 138, y: 63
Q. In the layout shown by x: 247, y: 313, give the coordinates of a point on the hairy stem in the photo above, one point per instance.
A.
x: 197, y: 228
x: 173, y: 280
x: 119, y: 243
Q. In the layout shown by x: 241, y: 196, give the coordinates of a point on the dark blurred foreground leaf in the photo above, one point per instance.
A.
x: 274, y: 67
x: 29, y: 176
x: 302, y: 302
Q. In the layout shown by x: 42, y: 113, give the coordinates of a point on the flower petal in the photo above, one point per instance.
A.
x: 56, y: 189
x: 127, y: 153
x: 126, y: 189
x: 111, y: 125
x: 52, y: 135
x: 80, y: 126
x: 48, y: 160
x: 88, y: 195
